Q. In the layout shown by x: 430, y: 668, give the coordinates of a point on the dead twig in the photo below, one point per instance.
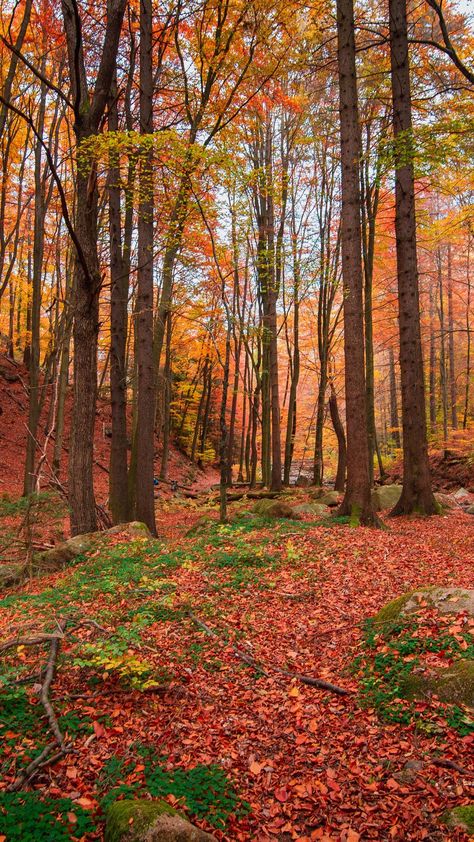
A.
x: 248, y: 659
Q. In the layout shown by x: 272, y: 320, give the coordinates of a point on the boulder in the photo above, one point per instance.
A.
x: 453, y: 684
x: 315, y: 510
x: 330, y: 498
x: 202, y: 524
x: 137, y: 529
x: 11, y: 574
x: 460, y: 817
x: 303, y: 482
x: 275, y: 509
x: 149, y: 821
x: 463, y: 498
x: 63, y: 553
x: 447, y: 501
x: 445, y: 600
x: 470, y: 510
x: 386, y: 496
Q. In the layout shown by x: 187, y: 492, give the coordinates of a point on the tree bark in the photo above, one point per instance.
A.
x: 417, y: 495
x: 357, y: 500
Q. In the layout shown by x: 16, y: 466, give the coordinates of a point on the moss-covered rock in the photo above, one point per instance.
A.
x: 11, y: 574
x: 275, y: 509
x: 454, y: 684
x: 137, y: 529
x: 314, y: 510
x: 445, y: 600
x: 386, y: 496
x: 330, y: 498
x: 462, y: 817
x: 149, y: 821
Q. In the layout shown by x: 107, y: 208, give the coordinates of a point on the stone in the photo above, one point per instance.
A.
x: 137, y: 529
x: 275, y: 509
x: 202, y: 524
x: 463, y: 498
x: 11, y: 574
x: 470, y: 510
x: 315, y: 510
x: 386, y: 496
x: 303, y: 482
x: 461, y: 817
x: 330, y: 498
x: 453, y: 684
x: 447, y: 501
x: 149, y: 821
x: 445, y: 600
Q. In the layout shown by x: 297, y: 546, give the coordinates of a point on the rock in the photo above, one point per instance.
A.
x: 446, y: 600
x: 470, y: 510
x: 303, y: 482
x: 11, y: 574
x: 316, y: 510
x: 453, y: 684
x: 201, y: 526
x: 275, y: 509
x: 137, y: 529
x: 461, y: 817
x: 330, y: 498
x: 447, y: 501
x: 149, y: 821
x: 63, y: 553
x: 463, y: 498
x: 386, y: 496
x: 410, y: 771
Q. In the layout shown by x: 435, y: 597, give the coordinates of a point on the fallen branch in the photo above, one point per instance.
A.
x: 46, y: 686
x: 29, y: 641
x: 248, y: 659
x: 450, y: 764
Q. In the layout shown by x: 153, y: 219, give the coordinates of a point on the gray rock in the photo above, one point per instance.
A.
x: 330, y: 498
x: 445, y: 600
x: 470, y: 510
x: 11, y: 574
x: 386, y: 496
x: 316, y: 510
x: 149, y: 821
x: 303, y: 482
x: 275, y: 509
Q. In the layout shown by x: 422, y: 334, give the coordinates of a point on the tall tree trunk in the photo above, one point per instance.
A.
x: 452, y: 370
x: 119, y: 281
x: 417, y: 495
x: 468, y: 331
x: 340, y: 481
x: 36, y: 289
x: 88, y: 114
x: 357, y: 500
x: 394, y: 421
x: 432, y: 369
x: 145, y: 443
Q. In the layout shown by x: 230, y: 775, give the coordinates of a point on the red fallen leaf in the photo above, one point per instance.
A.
x: 87, y: 803
x: 392, y: 784
x: 255, y: 768
x: 99, y: 730
x: 71, y: 817
x: 71, y: 773
x: 352, y: 836
x: 281, y: 794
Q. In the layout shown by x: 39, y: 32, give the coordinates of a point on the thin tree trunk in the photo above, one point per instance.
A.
x: 394, y: 421
x: 145, y: 444
x: 340, y: 481
x: 452, y: 370
x: 357, y: 500
x: 417, y: 495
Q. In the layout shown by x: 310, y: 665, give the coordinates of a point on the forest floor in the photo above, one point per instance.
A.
x: 186, y: 690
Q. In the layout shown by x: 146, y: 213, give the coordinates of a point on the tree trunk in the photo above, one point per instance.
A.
x: 417, y: 495
x: 452, y: 370
x: 340, y: 481
x: 145, y: 443
x: 394, y: 421
x: 119, y: 282
x: 357, y: 500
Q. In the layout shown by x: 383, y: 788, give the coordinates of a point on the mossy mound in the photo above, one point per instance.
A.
x: 445, y: 600
x: 314, y: 510
x: 461, y: 817
x: 275, y: 509
x: 386, y: 496
x: 454, y: 684
x: 149, y: 821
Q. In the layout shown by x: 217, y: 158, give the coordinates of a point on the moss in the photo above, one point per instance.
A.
x: 392, y: 610
x: 462, y: 817
x: 129, y: 819
x: 274, y: 509
x: 454, y: 684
